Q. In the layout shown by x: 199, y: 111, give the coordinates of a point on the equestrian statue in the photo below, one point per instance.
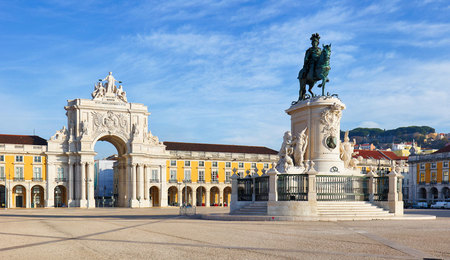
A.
x: 315, y: 68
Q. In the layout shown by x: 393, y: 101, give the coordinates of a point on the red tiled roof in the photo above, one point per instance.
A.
x: 177, y: 146
x: 444, y: 149
x: 377, y: 155
x: 22, y: 139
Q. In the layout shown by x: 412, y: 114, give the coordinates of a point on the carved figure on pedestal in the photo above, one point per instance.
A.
x: 99, y: 91
x: 60, y: 135
x: 83, y: 128
x: 121, y: 94
x: 346, y: 151
x: 110, y: 86
x: 300, y: 142
x: 285, y: 161
x: 315, y: 67
x: 134, y: 130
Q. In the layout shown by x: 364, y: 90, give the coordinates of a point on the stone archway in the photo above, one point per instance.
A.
x: 108, y: 116
x: 226, y: 196
x: 214, y: 196
x: 422, y: 194
x: 201, y: 196
x: 154, y: 196
x: 60, y: 195
x: 37, y: 196
x: 2, y: 196
x: 172, y: 194
x: 19, y: 196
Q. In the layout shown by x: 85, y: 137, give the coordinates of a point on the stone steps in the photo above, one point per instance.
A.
x: 350, y: 209
x: 256, y: 208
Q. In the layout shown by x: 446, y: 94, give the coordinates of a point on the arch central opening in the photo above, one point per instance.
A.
x: 109, y: 180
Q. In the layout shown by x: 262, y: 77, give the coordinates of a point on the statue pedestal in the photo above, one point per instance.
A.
x: 321, y: 116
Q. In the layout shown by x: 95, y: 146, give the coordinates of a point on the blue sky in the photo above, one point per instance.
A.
x: 224, y: 71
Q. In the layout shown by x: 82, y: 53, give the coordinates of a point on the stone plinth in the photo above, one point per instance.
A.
x: 321, y: 116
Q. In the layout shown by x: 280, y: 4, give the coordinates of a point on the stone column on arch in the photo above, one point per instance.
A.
x: 77, y: 180
x: 70, y: 190
x: 83, y: 185
x: 132, y: 184
x: 28, y: 196
x: 146, y: 180
x: 194, y: 196
x: 50, y: 196
x: 140, y: 183
x: 207, y: 197
x: 90, y: 185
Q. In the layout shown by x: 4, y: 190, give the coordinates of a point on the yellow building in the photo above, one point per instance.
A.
x: 22, y: 171
x: 431, y: 172
x: 202, y: 172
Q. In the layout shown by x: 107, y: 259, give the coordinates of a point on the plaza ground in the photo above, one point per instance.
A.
x: 160, y: 233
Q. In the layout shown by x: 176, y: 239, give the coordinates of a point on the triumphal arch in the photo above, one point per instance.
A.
x: 108, y: 116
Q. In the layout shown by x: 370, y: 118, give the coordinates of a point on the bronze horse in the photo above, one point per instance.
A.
x: 320, y: 73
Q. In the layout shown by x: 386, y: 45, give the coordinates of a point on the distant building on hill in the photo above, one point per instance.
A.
x: 402, y: 149
x: 369, y: 147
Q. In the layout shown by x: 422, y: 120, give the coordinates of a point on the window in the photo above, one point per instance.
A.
x: 214, y: 164
x: 241, y: 165
x: 37, y: 159
x: 201, y: 175
x: 433, y: 177
x: 241, y: 174
x: 155, y: 174
x: 227, y: 176
x: 19, y: 190
x: 2, y: 158
x: 445, y: 164
x: 60, y: 173
x: 37, y: 173
x: 187, y: 163
x: 445, y: 176
x: 422, y: 166
x: 173, y: 175
x: 433, y: 165
x: 201, y: 163
x: 228, y: 164
x: 253, y: 165
x: 173, y: 163
x: 2, y: 172
x: 363, y: 170
x: 19, y: 158
x: 422, y: 177
x: 18, y: 173
x: 266, y: 166
x: 187, y: 175
x: 214, y: 176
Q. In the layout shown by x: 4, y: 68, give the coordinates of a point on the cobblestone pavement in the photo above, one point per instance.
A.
x: 112, y: 233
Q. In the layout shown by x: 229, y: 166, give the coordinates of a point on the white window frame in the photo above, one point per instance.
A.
x: 228, y: 164
x: 19, y: 158
x: 2, y: 172
x: 433, y: 165
x: 173, y: 162
x: 60, y: 173
x: 37, y: 159
x: 201, y: 175
x: 18, y: 172
x: 253, y: 165
x: 187, y: 174
x: 445, y: 164
x: 266, y: 166
x: 214, y: 175
x: 422, y: 166
x: 201, y: 163
x: 173, y: 174
x: 445, y: 176
x: 241, y: 165
x: 215, y: 164
x: 155, y: 175
x: 37, y: 172
x: 187, y: 163
x: 227, y: 176
x: 2, y: 158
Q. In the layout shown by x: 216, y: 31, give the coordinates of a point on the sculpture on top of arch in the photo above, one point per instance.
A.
x: 109, y: 90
